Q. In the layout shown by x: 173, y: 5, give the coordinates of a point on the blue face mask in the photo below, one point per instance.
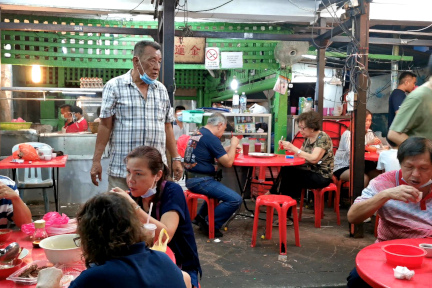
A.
x: 151, y: 191
x: 145, y: 77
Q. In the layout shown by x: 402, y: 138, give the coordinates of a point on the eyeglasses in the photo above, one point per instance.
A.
x: 77, y: 241
x: 301, y: 128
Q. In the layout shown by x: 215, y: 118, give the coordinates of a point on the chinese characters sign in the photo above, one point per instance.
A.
x: 189, y: 50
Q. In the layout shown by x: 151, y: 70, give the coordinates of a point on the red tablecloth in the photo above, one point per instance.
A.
x: 59, y: 161
x: 37, y: 254
x: 372, y: 267
x: 276, y: 161
x: 371, y: 156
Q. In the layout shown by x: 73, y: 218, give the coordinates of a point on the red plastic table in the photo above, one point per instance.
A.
x: 372, y: 266
x: 58, y: 162
x: 37, y: 254
x: 371, y: 156
x: 251, y: 161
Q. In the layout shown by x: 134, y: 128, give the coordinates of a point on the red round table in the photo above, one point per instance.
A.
x: 37, y: 254
x: 371, y: 156
x: 276, y: 161
x: 372, y: 266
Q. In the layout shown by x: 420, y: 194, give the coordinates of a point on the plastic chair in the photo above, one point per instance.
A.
x: 31, y: 178
x: 339, y: 184
x: 319, y: 203
x: 281, y: 203
x: 192, y: 203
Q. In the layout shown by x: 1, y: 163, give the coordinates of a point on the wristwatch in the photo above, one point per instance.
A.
x: 298, y: 152
x: 177, y: 159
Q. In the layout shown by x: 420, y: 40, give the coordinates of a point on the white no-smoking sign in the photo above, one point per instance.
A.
x: 212, y: 58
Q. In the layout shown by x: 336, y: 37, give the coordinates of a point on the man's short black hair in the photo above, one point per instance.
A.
x: 77, y: 109
x: 179, y: 108
x: 430, y: 66
x: 414, y: 146
x: 405, y: 75
x: 66, y: 106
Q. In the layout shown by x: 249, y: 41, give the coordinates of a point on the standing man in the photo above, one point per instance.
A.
x: 415, y: 114
x: 135, y: 111
x: 407, y: 83
x: 179, y: 127
x: 203, y: 148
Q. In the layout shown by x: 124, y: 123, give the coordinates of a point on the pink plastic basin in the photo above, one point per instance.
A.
x: 404, y: 255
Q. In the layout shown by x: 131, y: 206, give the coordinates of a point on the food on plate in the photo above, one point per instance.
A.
x: 19, y: 119
x: 32, y: 271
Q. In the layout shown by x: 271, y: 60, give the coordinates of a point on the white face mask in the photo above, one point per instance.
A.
x: 151, y: 191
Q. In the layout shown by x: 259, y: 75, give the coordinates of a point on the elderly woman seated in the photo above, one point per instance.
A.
x: 317, y: 150
x: 115, y: 251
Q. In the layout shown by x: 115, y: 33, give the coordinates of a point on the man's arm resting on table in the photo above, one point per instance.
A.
x: 21, y: 213
x: 227, y: 160
x: 103, y: 135
x: 397, y: 137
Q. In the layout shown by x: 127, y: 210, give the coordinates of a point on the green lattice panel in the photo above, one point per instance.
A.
x: 190, y: 78
x: 96, y: 50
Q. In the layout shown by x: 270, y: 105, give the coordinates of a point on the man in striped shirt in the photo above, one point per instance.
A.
x: 12, y: 208
x: 135, y: 111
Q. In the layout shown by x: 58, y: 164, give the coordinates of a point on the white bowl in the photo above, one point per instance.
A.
x: 428, y: 248
x: 61, y: 249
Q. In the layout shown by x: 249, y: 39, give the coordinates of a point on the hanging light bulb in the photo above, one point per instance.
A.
x: 36, y: 74
x: 234, y: 83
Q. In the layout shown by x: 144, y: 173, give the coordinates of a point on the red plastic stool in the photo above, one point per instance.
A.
x: 281, y: 203
x: 319, y: 203
x: 192, y: 203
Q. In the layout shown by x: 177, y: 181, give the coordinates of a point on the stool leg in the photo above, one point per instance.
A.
x: 296, y: 225
x: 282, y: 230
x: 269, y: 222
x: 329, y: 200
x: 194, y: 204
x: 255, y: 224
x: 301, y: 203
x: 336, y: 204
x: 322, y: 204
x: 318, y: 207
x: 211, y: 208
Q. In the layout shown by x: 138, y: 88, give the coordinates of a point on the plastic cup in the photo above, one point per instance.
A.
x: 245, y: 149
x: 330, y: 111
x: 53, y: 155
x: 257, y: 147
x: 293, y: 110
x: 48, y: 157
x: 149, y: 232
x: 325, y: 111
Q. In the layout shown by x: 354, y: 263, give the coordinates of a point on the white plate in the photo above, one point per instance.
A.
x: 262, y: 155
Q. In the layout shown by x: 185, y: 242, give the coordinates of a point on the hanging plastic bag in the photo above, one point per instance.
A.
x: 182, y: 144
x: 161, y: 245
x: 258, y: 109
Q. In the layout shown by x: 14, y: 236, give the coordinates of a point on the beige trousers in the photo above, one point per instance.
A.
x: 117, y: 182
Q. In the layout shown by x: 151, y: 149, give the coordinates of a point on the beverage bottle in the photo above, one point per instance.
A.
x: 39, y: 233
x: 235, y: 103
x: 243, y: 101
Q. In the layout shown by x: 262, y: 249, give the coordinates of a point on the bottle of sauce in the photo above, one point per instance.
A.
x: 39, y: 233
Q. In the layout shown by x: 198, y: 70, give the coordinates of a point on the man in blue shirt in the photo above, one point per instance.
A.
x: 12, y: 208
x: 203, y: 148
x: 407, y: 83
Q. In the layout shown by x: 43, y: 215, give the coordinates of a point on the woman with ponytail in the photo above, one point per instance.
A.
x: 147, y: 181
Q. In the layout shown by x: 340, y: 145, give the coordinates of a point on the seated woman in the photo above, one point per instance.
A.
x: 317, y: 150
x: 146, y: 179
x: 342, y: 156
x: 112, y: 241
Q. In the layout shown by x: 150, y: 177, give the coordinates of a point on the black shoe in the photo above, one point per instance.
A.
x: 198, y: 219
x: 205, y: 229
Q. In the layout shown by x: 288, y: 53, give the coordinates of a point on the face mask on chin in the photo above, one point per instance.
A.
x: 151, y: 191
x: 145, y: 77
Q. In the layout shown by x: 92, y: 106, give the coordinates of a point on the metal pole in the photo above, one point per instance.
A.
x: 168, y: 47
x: 394, y: 67
x: 357, y: 163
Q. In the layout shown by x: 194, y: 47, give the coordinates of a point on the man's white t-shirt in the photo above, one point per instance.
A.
x: 388, y: 160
